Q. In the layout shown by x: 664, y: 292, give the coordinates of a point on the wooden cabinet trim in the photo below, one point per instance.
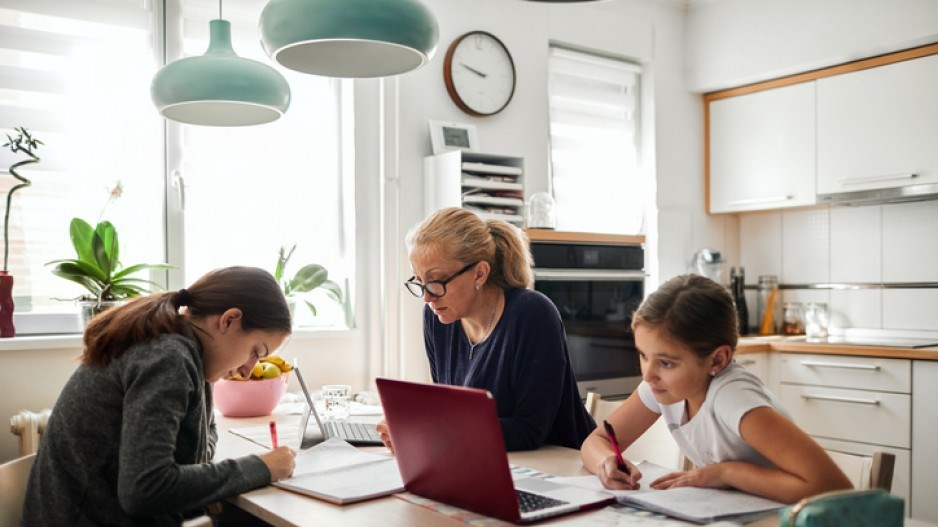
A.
x: 545, y: 235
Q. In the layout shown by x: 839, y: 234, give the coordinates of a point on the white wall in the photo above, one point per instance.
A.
x: 736, y: 42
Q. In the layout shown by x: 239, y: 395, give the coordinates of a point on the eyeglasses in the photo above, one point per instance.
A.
x: 434, y: 288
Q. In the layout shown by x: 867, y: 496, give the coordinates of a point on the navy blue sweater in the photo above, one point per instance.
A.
x: 524, y: 363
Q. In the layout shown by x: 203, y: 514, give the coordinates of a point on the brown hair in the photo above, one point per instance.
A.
x: 694, y: 310
x: 466, y: 237
x: 254, y: 291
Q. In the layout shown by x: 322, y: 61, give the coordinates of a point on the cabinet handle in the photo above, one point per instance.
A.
x: 870, y: 179
x: 873, y: 402
x: 746, y: 362
x: 844, y: 366
x: 756, y: 201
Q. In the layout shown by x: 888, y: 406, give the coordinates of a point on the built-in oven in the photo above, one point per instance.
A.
x: 596, y: 288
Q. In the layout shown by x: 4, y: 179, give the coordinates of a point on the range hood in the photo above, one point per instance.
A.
x: 922, y: 192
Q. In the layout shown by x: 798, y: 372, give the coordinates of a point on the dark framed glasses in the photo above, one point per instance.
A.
x: 434, y: 288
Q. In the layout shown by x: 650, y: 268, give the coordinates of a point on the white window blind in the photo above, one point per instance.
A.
x: 76, y: 74
x: 594, y: 142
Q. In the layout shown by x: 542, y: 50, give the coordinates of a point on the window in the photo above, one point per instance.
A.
x: 77, y: 74
x: 594, y: 143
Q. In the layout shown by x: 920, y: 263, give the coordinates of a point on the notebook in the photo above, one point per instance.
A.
x: 353, y: 432
x: 449, y: 447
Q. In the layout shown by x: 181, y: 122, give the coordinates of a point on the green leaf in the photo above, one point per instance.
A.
x: 310, y: 306
x: 308, y: 278
x: 104, y: 245
x: 81, y: 234
x: 70, y: 271
x: 79, y: 267
x: 333, y: 290
x: 139, y: 267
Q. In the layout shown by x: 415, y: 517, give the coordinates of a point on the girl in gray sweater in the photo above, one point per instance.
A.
x: 131, y: 435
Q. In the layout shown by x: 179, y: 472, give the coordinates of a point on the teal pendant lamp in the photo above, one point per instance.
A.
x: 349, y: 38
x: 220, y: 88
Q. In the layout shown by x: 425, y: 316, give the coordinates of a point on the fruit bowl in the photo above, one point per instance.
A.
x: 249, y: 398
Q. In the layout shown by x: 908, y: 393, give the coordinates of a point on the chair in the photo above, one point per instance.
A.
x: 655, y: 445
x: 873, y: 471
x: 13, y: 477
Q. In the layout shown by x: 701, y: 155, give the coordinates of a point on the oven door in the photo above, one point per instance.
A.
x: 596, y: 307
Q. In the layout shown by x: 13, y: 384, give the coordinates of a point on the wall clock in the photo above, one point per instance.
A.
x: 479, y: 73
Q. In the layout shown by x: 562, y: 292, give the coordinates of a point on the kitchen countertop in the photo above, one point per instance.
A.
x: 780, y: 343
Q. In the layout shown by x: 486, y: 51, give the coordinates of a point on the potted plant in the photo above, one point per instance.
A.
x: 308, y: 278
x: 99, y: 270
x: 27, y: 144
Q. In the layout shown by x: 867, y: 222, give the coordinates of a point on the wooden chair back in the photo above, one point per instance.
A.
x: 13, y: 477
x: 866, y: 471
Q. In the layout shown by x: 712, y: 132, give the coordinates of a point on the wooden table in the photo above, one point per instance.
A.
x: 282, y: 508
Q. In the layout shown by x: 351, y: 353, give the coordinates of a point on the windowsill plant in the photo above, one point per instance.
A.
x: 307, y: 279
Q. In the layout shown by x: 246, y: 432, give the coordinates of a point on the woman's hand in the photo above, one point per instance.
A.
x: 280, y: 462
x: 710, y: 476
x: 385, y: 434
x: 614, y: 479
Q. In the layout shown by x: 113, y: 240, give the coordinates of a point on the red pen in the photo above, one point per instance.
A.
x: 611, y: 435
x: 273, y: 433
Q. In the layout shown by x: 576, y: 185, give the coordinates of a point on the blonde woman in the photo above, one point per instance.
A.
x: 484, y: 327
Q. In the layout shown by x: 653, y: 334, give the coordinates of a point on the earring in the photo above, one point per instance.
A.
x: 713, y: 373
x: 477, y: 287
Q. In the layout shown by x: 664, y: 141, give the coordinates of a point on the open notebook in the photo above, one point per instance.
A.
x: 694, y: 504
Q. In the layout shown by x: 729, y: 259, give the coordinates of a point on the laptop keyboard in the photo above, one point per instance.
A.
x: 529, y: 502
x: 351, y: 431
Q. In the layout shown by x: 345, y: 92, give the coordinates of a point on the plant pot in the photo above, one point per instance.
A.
x: 6, y: 305
x: 90, y: 308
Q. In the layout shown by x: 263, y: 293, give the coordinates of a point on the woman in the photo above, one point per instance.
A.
x: 485, y: 328
x: 722, y: 417
x: 131, y: 435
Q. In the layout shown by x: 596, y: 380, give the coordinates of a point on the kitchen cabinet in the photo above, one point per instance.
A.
x: 490, y: 185
x: 878, y: 127
x: 857, y: 404
x: 763, y: 365
x: 924, y: 433
x: 762, y: 149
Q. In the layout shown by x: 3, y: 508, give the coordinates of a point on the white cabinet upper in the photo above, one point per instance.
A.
x: 878, y: 128
x: 762, y: 149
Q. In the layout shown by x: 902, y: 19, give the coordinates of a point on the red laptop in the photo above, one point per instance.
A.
x: 449, y: 447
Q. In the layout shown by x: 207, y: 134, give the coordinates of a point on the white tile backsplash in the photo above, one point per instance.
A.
x: 856, y: 244
x: 869, y: 244
x: 910, y: 309
x: 760, y: 244
x: 806, y: 246
x: 910, y: 242
x: 857, y: 308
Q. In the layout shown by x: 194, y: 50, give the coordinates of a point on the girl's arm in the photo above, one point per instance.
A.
x: 802, y: 468
x: 630, y: 420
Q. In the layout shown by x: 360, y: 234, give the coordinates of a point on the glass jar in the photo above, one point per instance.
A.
x: 793, y: 319
x: 768, y: 314
x: 816, y: 321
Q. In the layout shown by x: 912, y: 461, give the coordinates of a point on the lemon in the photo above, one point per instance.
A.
x: 269, y: 370
x: 258, y: 371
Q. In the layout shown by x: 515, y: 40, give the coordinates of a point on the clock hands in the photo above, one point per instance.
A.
x: 473, y: 70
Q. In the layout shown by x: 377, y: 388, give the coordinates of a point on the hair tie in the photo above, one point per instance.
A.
x: 182, y: 298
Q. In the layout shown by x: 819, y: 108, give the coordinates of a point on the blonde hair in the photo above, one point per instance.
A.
x: 464, y: 236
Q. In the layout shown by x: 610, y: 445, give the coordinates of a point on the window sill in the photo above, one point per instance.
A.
x: 42, y: 342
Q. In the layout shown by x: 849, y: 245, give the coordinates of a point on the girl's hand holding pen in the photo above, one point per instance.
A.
x: 280, y: 462
x: 615, y: 479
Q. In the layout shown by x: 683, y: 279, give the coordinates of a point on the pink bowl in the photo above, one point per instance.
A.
x: 249, y: 398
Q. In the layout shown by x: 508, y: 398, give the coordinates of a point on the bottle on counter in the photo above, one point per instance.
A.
x: 769, y: 310
x: 738, y: 290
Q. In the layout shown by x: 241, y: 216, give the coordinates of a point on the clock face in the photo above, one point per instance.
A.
x: 479, y: 73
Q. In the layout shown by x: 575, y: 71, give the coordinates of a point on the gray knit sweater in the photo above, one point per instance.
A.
x: 124, y: 443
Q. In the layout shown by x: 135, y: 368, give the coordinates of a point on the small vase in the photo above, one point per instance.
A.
x: 90, y: 308
x: 6, y: 305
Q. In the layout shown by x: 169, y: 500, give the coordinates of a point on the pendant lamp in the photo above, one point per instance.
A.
x: 349, y: 38
x: 220, y: 88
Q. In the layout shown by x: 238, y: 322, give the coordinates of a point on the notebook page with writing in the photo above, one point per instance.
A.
x: 336, y: 471
x: 695, y: 504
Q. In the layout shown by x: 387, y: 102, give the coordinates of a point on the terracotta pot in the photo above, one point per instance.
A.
x: 6, y: 305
